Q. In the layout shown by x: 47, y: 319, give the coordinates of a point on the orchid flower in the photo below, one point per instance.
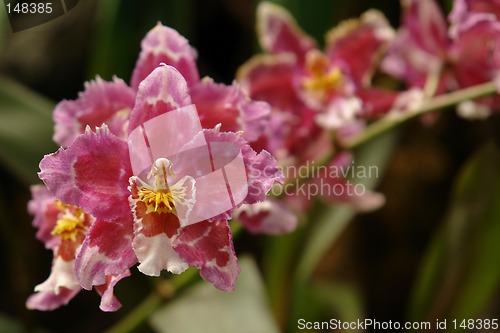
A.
x: 63, y: 228
x: 310, y: 92
x: 297, y: 78
x: 427, y: 55
x: 145, y: 203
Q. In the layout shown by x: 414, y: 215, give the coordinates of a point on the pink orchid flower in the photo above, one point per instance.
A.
x: 111, y: 103
x: 63, y: 228
x: 311, y: 91
x: 461, y: 57
x: 300, y: 81
x: 140, y: 215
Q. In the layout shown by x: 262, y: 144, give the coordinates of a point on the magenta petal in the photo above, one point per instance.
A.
x: 270, y: 217
x: 101, y: 102
x: 165, y: 45
x: 475, y: 49
x: 106, y: 250
x: 230, y: 107
x: 279, y: 33
x: 357, y: 45
x: 462, y: 8
x: 427, y: 26
x: 164, y: 90
x: 47, y: 300
x: 342, y: 111
x: 272, y: 78
x: 42, y: 207
x: 376, y: 102
x: 262, y: 171
x: 92, y: 174
x: 220, y: 175
x: 109, y: 302
x: 407, y: 61
x: 209, y: 246
x: 160, y: 137
x: 334, y: 188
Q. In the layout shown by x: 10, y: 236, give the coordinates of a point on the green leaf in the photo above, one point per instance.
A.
x: 10, y: 325
x: 327, y: 228
x: 206, y: 309
x: 461, y: 270
x: 26, y: 130
x: 344, y: 300
x: 332, y: 222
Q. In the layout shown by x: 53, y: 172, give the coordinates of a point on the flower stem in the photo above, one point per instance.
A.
x: 392, y: 120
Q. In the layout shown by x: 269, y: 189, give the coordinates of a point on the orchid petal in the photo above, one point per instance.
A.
x: 408, y: 62
x: 376, y: 102
x: 159, y: 137
x: 106, y: 250
x: 426, y: 25
x: 48, y: 300
x: 100, y: 102
x: 219, y: 171
x: 261, y: 169
x: 156, y: 254
x: 209, y: 246
x: 165, y: 45
x: 162, y: 91
x: 109, y: 302
x: 341, y: 112
x: 271, y: 78
x: 184, y: 195
x: 229, y: 106
x: 279, y: 33
x: 334, y: 188
x: 463, y: 8
x: 474, y: 49
x: 61, y: 276
x: 88, y: 176
x: 270, y: 217
x: 357, y: 44
x: 42, y: 207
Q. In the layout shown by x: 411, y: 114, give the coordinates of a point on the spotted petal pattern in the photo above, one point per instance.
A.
x: 209, y: 246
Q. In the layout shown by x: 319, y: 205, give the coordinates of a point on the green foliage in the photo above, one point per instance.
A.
x: 461, y: 270
x: 26, y: 129
x: 206, y: 309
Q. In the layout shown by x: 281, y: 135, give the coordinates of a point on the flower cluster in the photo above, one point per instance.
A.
x: 151, y: 184
x: 150, y: 173
x: 438, y: 57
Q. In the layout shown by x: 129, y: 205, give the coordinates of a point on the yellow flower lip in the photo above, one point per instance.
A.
x: 324, y: 81
x: 160, y: 201
x: 322, y: 76
x: 70, y: 223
